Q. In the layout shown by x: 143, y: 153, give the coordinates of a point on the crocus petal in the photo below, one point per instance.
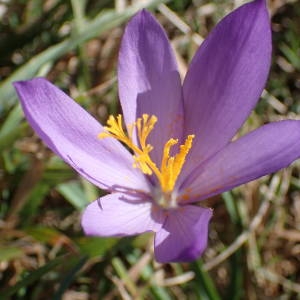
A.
x: 72, y: 133
x: 183, y: 236
x: 120, y: 214
x: 226, y: 78
x: 149, y: 81
x: 263, y: 151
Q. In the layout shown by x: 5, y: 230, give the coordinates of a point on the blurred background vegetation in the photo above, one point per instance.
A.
x: 254, y: 239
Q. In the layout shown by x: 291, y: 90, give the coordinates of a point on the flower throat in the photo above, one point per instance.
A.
x: 171, y: 166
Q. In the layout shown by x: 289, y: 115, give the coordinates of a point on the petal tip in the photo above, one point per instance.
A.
x: 21, y: 84
x: 142, y: 18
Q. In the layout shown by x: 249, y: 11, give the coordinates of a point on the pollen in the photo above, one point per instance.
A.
x: 171, y: 166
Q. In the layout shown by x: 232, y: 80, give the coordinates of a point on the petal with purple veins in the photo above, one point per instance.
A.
x: 226, y: 78
x: 149, y: 81
x: 72, y: 133
x: 260, y: 152
x: 120, y: 215
x: 184, y: 234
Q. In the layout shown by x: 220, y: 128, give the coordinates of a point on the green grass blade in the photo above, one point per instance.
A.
x: 10, y: 129
x: 74, y: 193
x: 204, y: 281
x: 101, y: 23
x: 67, y: 280
x: 32, y: 277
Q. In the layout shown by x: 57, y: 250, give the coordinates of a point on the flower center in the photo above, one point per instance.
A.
x: 170, y: 167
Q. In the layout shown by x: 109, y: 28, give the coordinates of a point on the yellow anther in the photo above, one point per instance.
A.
x: 171, y: 166
x: 141, y: 152
x: 144, y: 126
x: 114, y: 129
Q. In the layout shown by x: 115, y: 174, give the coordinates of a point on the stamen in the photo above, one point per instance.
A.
x: 144, y: 126
x: 171, y: 166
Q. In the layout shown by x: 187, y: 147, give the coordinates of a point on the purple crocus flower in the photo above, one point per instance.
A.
x: 178, y: 138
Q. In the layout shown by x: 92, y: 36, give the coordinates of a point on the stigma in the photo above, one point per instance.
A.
x: 170, y: 167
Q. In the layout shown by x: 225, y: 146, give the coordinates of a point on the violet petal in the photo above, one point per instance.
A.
x: 226, y: 78
x: 149, y: 81
x: 70, y: 132
x: 184, y: 234
x: 260, y: 152
x: 120, y: 215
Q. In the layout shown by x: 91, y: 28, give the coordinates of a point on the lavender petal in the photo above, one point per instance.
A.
x: 260, y: 152
x: 184, y: 234
x: 149, y: 81
x: 120, y: 215
x: 226, y: 78
x: 70, y: 132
